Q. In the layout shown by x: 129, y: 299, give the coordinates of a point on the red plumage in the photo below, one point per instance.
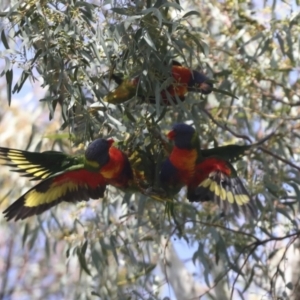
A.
x: 117, y: 171
x: 68, y: 178
x: 81, y: 177
x: 184, y: 80
x: 207, y: 166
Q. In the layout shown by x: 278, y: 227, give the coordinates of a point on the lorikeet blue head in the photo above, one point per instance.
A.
x: 199, y: 82
x: 98, y: 151
x: 184, y: 136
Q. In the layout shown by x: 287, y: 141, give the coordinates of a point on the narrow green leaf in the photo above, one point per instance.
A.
x: 113, y: 244
x: 33, y: 238
x: 37, y: 54
x: 68, y: 253
x: 191, y: 13
x: 87, y: 5
x: 272, y: 254
x: 84, y: 247
x: 9, y: 80
x: 120, y: 11
x: 96, y: 259
x: 288, y: 215
x: 290, y: 285
x: 281, y: 43
x: 4, y: 40
x: 162, y: 115
x: 148, y: 39
x: 25, y: 234
x: 289, y: 51
x: 263, y: 46
x: 18, y: 86
x: 174, y: 5
x: 7, y: 66
x: 225, y: 93
x: 47, y: 247
x: 157, y: 4
x: 158, y: 15
x: 129, y: 115
x: 83, y: 262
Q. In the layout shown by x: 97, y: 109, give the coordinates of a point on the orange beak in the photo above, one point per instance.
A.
x: 110, y: 142
x: 171, y: 135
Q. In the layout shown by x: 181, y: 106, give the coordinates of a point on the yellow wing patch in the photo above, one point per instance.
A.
x: 230, y: 197
x: 223, y: 194
x: 35, y: 198
x: 206, y: 183
x: 20, y: 161
x: 242, y: 199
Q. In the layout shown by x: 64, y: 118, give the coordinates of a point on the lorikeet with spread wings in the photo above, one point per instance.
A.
x: 210, y: 178
x: 66, y: 178
x: 185, y: 80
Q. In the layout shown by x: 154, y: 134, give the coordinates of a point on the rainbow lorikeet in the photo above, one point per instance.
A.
x: 209, y: 178
x: 185, y: 80
x: 66, y: 178
x: 178, y: 169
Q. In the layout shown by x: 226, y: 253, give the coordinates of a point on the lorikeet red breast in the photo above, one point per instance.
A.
x: 66, y: 178
x: 117, y: 171
x: 185, y: 80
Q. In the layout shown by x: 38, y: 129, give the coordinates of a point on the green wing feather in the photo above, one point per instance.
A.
x: 42, y: 165
x: 229, y: 153
x: 233, y: 153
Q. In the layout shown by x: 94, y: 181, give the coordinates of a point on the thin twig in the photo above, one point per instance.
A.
x: 225, y: 127
x: 279, y: 158
x: 275, y: 276
x: 273, y: 96
x: 237, y: 276
x: 226, y: 229
x: 255, y: 245
x: 247, y: 138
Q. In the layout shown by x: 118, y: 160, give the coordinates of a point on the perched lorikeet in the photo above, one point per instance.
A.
x: 185, y: 80
x: 209, y: 178
x: 66, y: 178
x: 126, y: 90
x: 179, y: 168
